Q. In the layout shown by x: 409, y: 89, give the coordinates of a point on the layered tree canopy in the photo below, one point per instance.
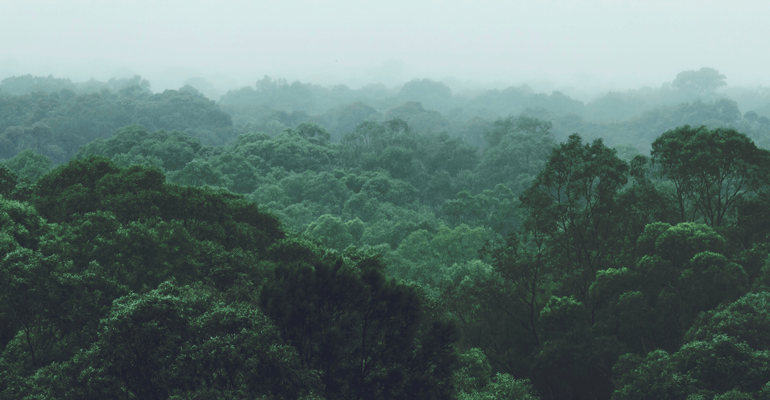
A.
x: 296, y: 241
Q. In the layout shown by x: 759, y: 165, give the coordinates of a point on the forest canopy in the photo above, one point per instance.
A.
x: 296, y: 241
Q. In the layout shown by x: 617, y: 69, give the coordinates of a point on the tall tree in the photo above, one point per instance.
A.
x: 572, y: 205
x: 712, y: 170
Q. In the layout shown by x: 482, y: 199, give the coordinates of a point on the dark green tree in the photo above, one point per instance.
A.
x: 360, y: 331
x: 712, y: 170
x: 682, y: 272
x: 180, y: 341
x: 51, y: 310
x: 572, y: 204
x: 724, y: 357
x: 8, y: 180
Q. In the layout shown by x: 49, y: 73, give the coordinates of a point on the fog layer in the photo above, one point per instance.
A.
x: 585, y: 47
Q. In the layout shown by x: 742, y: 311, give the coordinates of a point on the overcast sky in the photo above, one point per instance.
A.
x: 585, y: 45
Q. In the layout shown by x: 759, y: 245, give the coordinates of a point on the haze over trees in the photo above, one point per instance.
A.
x: 292, y: 240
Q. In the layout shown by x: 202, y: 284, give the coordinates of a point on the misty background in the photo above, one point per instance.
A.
x: 581, y: 48
x: 471, y: 200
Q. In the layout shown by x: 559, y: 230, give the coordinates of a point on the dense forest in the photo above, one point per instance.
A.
x: 296, y: 241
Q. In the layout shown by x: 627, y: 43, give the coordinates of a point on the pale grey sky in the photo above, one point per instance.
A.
x: 586, y: 45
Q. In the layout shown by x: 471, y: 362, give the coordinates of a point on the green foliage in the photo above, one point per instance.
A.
x: 136, y: 193
x: 622, y: 310
x: 517, y: 149
x: 642, y: 378
x: 174, y: 149
x: 425, y: 257
x: 330, y: 231
x: 460, y: 244
x: 747, y: 319
x: 298, y: 216
x: 482, y: 304
x: 48, y: 311
x: 503, y: 386
x: 674, y: 110
x: 8, y: 180
x: 313, y: 133
x: 725, y: 357
x: 680, y: 243
x: 712, y: 170
x: 360, y: 331
x: 495, y: 209
x: 573, y: 361
x: 565, y: 267
x: 370, y: 139
x: 511, y: 126
x: 65, y: 189
x: 681, y: 275
x: 391, y: 224
x: 294, y: 150
x: 356, y: 228
x: 21, y: 225
x: 57, y: 124
x: 324, y: 189
x: 37, y: 138
x: 381, y: 187
x: 179, y: 341
x: 198, y: 173
x: 237, y: 173
x: 642, y: 204
x: 572, y: 206
x: 751, y: 224
x: 29, y: 165
x: 474, y: 371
